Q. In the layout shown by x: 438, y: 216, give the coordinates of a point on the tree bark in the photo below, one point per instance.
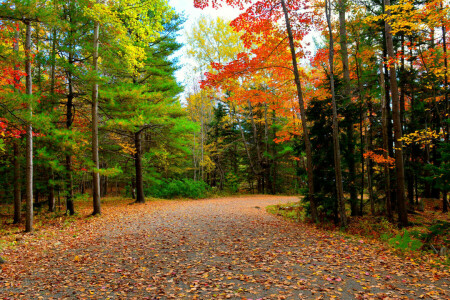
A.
x: 347, y: 101
x: 29, y: 132
x: 384, y: 129
x: 361, y: 132
x: 446, y: 128
x: 17, y: 194
x: 337, y: 152
x: 17, y: 190
x: 51, y: 192
x: 69, y: 120
x: 95, y: 158
x: 140, y: 198
x: 309, y: 163
x: 399, y: 167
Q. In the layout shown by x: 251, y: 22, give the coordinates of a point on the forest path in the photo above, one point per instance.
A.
x: 227, y: 248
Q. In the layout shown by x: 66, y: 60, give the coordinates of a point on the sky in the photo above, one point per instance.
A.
x: 192, y: 14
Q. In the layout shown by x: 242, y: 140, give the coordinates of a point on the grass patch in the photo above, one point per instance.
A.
x: 292, y: 210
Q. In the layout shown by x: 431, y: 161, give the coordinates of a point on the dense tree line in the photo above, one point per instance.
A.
x: 358, y: 124
x: 90, y: 88
x: 367, y: 115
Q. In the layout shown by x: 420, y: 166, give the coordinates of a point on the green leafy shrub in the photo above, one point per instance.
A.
x: 232, y: 182
x: 292, y: 210
x: 185, y: 188
x: 405, y: 242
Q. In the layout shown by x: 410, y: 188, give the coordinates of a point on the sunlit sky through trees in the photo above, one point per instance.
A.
x: 186, y: 7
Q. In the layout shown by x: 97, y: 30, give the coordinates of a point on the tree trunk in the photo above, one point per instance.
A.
x: 17, y: 191
x: 350, y: 157
x: 384, y: 129
x: 399, y: 168
x: 51, y: 192
x: 140, y: 198
x: 17, y: 195
x: 69, y: 120
x: 301, y: 103
x: 133, y: 188
x: 361, y: 130
x: 29, y: 132
x: 95, y: 159
x: 446, y: 130
x: 337, y: 152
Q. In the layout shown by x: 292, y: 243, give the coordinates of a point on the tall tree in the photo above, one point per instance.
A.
x: 336, y: 147
x: 399, y: 164
x: 95, y: 158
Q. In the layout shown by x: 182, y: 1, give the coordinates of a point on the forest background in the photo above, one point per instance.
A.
x: 90, y: 105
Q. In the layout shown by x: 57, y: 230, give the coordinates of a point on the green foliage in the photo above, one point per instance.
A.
x: 185, y: 188
x: 405, y: 241
x: 324, y: 175
x: 82, y: 197
x: 293, y: 210
x: 232, y: 182
x: 439, y: 229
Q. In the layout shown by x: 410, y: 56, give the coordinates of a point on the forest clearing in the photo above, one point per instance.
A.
x: 271, y: 149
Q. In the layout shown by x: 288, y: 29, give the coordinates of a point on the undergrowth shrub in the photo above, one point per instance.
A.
x: 185, y: 188
x: 405, y: 242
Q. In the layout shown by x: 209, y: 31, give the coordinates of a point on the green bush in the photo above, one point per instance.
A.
x: 405, y: 242
x: 185, y: 188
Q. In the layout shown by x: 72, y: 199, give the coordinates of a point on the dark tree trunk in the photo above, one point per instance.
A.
x: 29, y: 133
x: 309, y: 162
x: 399, y: 168
x: 350, y: 157
x: 51, y: 192
x: 95, y: 157
x: 447, y: 104
x: 17, y: 188
x: 140, y: 198
x: 17, y: 194
x: 336, y: 147
x: 385, y: 120
x: 69, y: 120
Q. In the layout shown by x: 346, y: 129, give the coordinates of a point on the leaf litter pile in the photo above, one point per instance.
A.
x: 227, y: 248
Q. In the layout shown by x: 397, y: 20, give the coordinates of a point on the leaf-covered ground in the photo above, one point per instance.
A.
x: 227, y: 248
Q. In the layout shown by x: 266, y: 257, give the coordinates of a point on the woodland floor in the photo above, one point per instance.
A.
x: 227, y: 248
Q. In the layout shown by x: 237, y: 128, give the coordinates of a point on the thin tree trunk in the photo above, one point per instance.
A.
x: 51, y: 192
x: 17, y: 195
x: 69, y: 120
x: 140, y: 198
x: 17, y: 190
x: 361, y: 130
x: 95, y: 158
x: 384, y: 119
x: 350, y: 157
x: 133, y: 188
x: 337, y: 152
x: 400, y: 172
x: 53, y: 66
x: 29, y: 132
x: 446, y: 87
x: 309, y: 163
